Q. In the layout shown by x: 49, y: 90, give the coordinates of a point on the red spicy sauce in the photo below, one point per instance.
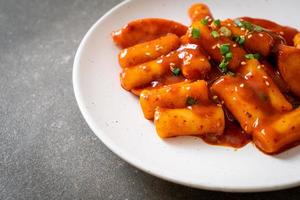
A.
x: 233, y: 136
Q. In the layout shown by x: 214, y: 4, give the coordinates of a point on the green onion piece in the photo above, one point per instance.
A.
x: 230, y: 73
x: 258, y: 28
x: 226, y: 32
x: 217, y: 22
x: 249, y: 56
x: 223, y: 65
x: 176, y: 71
x: 257, y: 56
x: 224, y: 48
x: 204, y: 21
x: 238, y: 22
x: 191, y: 101
x: 228, y: 56
x: 215, y: 34
x: 248, y: 25
x: 195, y: 33
x: 252, y: 56
x: 241, y: 40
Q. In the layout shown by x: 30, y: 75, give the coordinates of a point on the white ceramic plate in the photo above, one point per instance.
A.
x: 116, y: 118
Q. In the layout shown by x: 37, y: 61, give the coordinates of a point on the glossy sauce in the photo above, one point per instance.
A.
x: 286, y: 32
x: 174, y: 59
x: 233, y: 136
x: 143, y: 30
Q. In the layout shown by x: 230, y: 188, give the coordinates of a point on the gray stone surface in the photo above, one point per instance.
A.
x: 46, y: 149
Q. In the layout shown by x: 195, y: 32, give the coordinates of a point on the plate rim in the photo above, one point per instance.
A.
x: 129, y: 158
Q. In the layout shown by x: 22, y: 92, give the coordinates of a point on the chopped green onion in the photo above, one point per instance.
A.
x: 223, y: 65
x: 241, y: 40
x: 224, y: 48
x: 248, y: 25
x: 249, y: 56
x: 230, y: 73
x: 191, y: 101
x: 204, y: 21
x: 176, y: 71
x: 257, y: 56
x: 258, y: 28
x: 252, y: 56
x: 195, y: 33
x: 228, y: 56
x: 226, y: 32
x: 215, y: 34
x: 238, y: 22
x: 217, y: 22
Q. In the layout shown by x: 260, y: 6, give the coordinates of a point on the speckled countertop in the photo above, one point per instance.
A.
x: 47, y: 150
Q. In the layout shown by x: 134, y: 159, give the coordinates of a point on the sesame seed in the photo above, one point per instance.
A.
x: 159, y: 61
x: 243, y: 29
x: 228, y: 24
x: 261, y: 35
x: 281, y: 33
x: 243, y: 63
x: 202, y: 59
x: 124, y: 53
x: 248, y: 75
x: 242, y: 85
x: 265, y: 77
x: 144, y: 67
x: 249, y: 36
x: 267, y: 83
x: 255, y: 124
x: 234, y: 45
